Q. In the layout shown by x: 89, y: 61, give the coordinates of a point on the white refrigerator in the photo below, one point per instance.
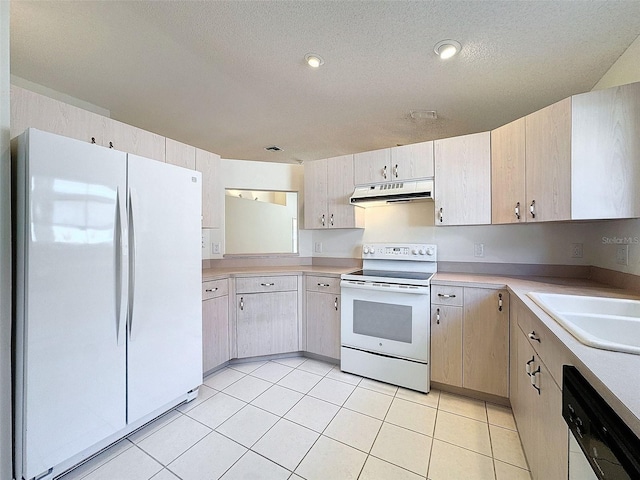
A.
x: 107, y: 296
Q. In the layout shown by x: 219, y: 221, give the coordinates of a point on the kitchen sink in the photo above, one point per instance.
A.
x: 600, y: 322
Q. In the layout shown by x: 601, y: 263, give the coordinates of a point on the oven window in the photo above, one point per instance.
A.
x: 382, y: 320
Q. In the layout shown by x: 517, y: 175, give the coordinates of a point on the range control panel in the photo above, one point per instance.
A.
x: 405, y: 251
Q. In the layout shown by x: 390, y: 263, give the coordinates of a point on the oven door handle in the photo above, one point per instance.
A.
x: 384, y: 287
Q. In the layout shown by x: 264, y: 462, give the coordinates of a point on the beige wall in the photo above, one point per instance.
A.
x: 625, y: 70
x: 5, y: 249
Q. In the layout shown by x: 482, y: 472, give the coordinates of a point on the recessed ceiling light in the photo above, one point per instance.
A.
x: 313, y: 60
x: 447, y: 48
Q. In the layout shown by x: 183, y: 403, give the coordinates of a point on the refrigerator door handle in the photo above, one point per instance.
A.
x: 122, y: 265
x: 133, y: 202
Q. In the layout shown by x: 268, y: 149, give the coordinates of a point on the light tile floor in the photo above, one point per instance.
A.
x: 299, y: 418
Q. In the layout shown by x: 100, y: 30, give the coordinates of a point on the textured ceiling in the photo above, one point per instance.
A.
x: 230, y: 77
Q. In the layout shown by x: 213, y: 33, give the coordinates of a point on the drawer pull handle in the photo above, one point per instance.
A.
x: 534, y: 378
x: 533, y: 336
x: 446, y: 295
x: 529, y: 366
x: 267, y: 284
x: 517, y: 210
x: 241, y: 303
x: 335, y: 303
x: 211, y: 289
x: 324, y: 285
x: 499, y: 302
x: 437, y: 316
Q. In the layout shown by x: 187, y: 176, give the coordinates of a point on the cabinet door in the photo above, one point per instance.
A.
x: 208, y: 164
x: 446, y: 344
x: 315, y: 194
x: 412, y: 161
x: 605, y: 152
x: 548, y: 162
x: 486, y: 341
x: 180, y: 154
x: 134, y: 140
x: 339, y: 189
x: 463, y: 180
x: 215, y: 332
x: 372, y: 167
x: 507, y: 173
x: 323, y: 324
x: 267, y: 323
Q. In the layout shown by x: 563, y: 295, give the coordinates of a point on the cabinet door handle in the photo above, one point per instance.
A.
x: 335, y: 303
x: 395, y: 170
x: 437, y: 316
x: 499, y: 302
x: 322, y: 220
x: 211, y: 289
x: 440, y: 215
x: 533, y: 336
x: 267, y: 284
x: 528, y: 366
x: 447, y: 295
x: 110, y: 144
x: 532, y: 209
x: 331, y: 220
x: 93, y: 140
x: 241, y: 303
x: 384, y: 172
x: 517, y: 210
x: 534, y: 379
x: 324, y: 285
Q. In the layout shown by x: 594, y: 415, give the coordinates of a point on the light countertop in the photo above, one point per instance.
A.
x: 216, y: 273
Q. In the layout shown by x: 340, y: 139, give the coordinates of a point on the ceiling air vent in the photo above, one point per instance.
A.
x: 273, y: 148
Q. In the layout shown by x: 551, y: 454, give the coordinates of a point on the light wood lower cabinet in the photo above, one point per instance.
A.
x: 470, y: 338
x: 266, y: 323
x: 446, y: 344
x: 215, y: 324
x: 536, y: 400
x: 323, y: 316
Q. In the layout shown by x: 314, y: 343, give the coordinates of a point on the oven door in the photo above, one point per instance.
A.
x: 387, y: 319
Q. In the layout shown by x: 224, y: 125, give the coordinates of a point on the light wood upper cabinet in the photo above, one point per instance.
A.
x: 548, y: 163
x: 208, y: 164
x: 605, y: 143
x: 372, y: 167
x: 412, y: 161
x: 406, y: 162
x: 508, y: 173
x: 328, y: 185
x: 134, y: 140
x: 486, y: 341
x: 180, y: 154
x: 463, y: 180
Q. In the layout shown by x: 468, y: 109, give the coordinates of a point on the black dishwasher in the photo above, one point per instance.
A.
x: 607, y: 443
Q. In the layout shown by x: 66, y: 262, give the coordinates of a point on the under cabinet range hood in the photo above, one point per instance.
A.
x: 392, y: 192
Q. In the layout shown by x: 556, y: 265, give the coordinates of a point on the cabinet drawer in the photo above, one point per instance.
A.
x: 323, y: 284
x: 266, y: 284
x: 550, y: 350
x: 446, y: 295
x: 215, y: 288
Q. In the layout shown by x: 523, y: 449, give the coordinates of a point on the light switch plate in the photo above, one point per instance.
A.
x: 622, y: 254
x: 478, y: 249
x: 576, y: 250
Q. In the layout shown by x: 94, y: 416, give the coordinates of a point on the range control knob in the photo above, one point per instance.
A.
x: 365, y: 250
x: 414, y: 251
x: 422, y: 251
x: 430, y: 251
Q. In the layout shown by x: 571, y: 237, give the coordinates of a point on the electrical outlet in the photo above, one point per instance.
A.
x: 576, y: 250
x: 478, y: 249
x: 622, y: 254
x: 317, y: 247
x: 215, y: 248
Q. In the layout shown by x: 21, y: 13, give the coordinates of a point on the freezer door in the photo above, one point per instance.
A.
x: 70, y: 362
x: 165, y: 305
